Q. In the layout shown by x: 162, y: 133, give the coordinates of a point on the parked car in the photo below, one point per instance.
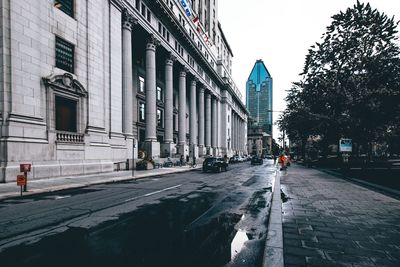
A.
x: 269, y: 156
x: 234, y: 159
x: 256, y: 161
x: 215, y: 164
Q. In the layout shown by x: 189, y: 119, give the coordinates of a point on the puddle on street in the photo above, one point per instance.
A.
x: 153, y: 235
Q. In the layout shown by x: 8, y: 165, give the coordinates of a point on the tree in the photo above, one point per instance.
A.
x: 350, y: 83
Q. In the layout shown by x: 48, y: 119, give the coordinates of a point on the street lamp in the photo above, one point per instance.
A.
x: 133, y: 158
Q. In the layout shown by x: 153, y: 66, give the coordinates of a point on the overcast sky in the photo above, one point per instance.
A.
x: 280, y: 33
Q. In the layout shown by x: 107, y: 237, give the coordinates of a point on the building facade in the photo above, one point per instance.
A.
x: 259, y: 105
x: 259, y: 96
x: 88, y: 84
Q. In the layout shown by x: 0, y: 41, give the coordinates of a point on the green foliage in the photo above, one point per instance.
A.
x: 350, y: 83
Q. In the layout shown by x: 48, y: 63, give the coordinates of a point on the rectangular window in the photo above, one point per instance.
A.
x: 137, y: 4
x: 142, y: 112
x: 168, y: 36
x: 148, y: 16
x: 163, y: 32
x: 159, y: 27
x: 160, y: 119
x: 64, y: 55
x: 143, y: 11
x: 65, y: 114
x: 141, y: 85
x: 159, y: 94
x: 66, y: 6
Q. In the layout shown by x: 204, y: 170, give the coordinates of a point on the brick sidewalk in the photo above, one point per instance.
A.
x: 328, y: 221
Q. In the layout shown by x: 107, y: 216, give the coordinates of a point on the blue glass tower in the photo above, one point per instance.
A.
x: 259, y: 96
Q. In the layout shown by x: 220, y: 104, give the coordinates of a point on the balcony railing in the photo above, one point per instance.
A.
x: 68, y: 137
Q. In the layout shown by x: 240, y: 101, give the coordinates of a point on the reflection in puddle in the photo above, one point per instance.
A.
x: 187, y: 231
x: 238, y: 242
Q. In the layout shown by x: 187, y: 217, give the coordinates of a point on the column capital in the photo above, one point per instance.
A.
x: 201, y: 90
x: 183, y: 71
x: 194, y: 81
x: 208, y: 94
x: 170, y: 59
x: 128, y: 20
x: 152, y: 42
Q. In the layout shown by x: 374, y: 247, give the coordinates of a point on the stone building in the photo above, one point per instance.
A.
x: 89, y: 84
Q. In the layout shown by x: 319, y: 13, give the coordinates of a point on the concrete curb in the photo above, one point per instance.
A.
x: 273, y: 253
x: 75, y: 185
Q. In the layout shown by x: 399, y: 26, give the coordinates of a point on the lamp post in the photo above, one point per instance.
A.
x: 133, y: 158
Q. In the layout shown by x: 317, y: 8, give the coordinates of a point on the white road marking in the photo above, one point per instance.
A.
x: 61, y: 197
x: 153, y: 193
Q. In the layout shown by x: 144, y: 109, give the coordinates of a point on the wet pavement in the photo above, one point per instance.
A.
x: 175, y: 220
x: 328, y: 221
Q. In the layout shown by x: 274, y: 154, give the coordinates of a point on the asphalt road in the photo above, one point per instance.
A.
x: 185, y: 219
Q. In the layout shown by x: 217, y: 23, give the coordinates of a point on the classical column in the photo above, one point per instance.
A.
x: 168, y: 146
x: 182, y: 113
x: 208, y: 122
x: 192, y: 119
x: 127, y: 80
x: 201, y: 121
x: 235, y: 132
x: 224, y: 130
x: 152, y: 146
x: 214, y: 125
x: 240, y: 134
x: 232, y: 131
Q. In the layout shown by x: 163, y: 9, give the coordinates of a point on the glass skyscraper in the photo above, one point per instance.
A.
x: 259, y: 96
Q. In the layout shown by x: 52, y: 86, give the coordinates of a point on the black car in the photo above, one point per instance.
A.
x: 234, y: 159
x: 256, y: 161
x: 214, y: 164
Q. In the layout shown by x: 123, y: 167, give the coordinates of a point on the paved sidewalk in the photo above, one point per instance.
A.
x: 11, y: 189
x: 328, y: 221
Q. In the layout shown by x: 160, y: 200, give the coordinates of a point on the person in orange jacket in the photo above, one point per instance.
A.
x: 283, y: 161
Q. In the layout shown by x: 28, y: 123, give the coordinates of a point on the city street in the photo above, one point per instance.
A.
x: 183, y: 219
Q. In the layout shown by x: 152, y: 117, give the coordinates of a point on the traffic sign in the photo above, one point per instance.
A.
x: 345, y: 145
x: 21, y: 180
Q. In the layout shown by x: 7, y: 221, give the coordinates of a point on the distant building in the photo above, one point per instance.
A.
x: 259, y: 105
x: 258, y: 141
x: 259, y: 96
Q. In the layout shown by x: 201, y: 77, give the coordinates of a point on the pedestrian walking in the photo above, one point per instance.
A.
x: 283, y: 161
x: 194, y: 161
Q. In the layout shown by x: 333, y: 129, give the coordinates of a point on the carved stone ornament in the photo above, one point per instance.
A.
x: 170, y: 59
x: 152, y: 42
x: 65, y: 83
x: 128, y: 21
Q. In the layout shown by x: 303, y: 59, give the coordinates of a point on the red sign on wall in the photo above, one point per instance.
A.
x: 25, y: 167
